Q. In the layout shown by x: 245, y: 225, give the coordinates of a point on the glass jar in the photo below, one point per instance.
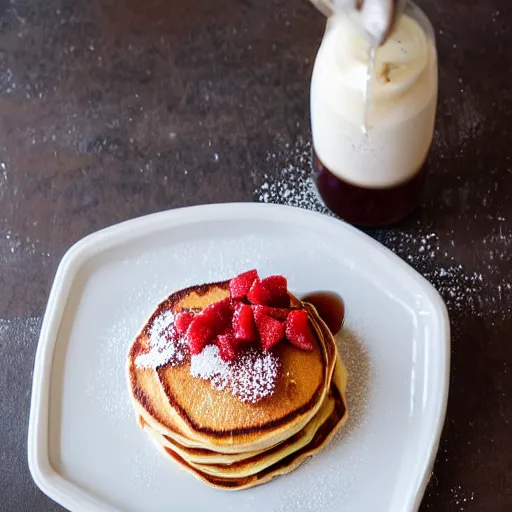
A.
x: 371, y: 136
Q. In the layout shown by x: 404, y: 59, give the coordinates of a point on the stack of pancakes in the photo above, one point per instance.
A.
x: 222, y: 440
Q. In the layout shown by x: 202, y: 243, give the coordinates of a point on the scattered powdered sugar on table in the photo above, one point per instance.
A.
x: 461, y: 498
x: 251, y: 377
x: 294, y: 185
x: 480, y: 291
x: 164, y: 346
x: 460, y: 289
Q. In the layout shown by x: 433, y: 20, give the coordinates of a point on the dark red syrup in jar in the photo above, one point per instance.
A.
x: 368, y: 206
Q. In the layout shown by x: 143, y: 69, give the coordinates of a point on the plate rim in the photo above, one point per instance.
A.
x: 72, y: 496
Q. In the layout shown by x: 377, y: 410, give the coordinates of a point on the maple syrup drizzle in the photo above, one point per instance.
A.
x: 330, y: 307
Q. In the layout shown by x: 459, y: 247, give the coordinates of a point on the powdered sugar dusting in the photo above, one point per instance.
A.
x: 165, y: 347
x: 461, y: 498
x: 254, y: 375
x: 361, y: 369
x: 251, y: 377
x: 208, y: 365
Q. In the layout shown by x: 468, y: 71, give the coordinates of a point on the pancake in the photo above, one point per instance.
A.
x: 257, y: 463
x: 223, y: 423
x: 286, y: 459
x: 197, y: 455
x: 216, y: 435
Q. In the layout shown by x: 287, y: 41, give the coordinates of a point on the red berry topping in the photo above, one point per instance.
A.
x: 182, y: 321
x: 244, y: 328
x: 227, y: 346
x: 199, y: 334
x: 271, y: 291
x: 271, y: 331
x: 231, y: 321
x: 276, y: 283
x: 240, y: 285
x: 219, y: 315
x: 298, y: 331
x: 277, y: 313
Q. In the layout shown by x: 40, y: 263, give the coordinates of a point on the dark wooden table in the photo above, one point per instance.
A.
x: 114, y: 109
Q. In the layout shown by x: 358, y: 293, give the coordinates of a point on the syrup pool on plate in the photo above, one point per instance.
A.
x: 373, y: 119
x: 329, y: 306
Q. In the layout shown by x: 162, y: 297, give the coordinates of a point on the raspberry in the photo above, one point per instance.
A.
x: 240, y: 285
x: 243, y: 323
x: 227, y: 346
x: 200, y: 332
x: 219, y: 315
x: 277, y: 313
x: 270, y: 291
x: 182, y: 321
x: 271, y: 330
x: 298, y: 330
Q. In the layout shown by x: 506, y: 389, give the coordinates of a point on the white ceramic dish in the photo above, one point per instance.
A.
x: 85, y: 449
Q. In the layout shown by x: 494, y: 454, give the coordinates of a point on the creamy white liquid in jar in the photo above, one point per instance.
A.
x: 374, y: 137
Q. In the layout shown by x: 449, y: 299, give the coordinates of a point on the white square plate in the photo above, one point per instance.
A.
x: 85, y: 449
